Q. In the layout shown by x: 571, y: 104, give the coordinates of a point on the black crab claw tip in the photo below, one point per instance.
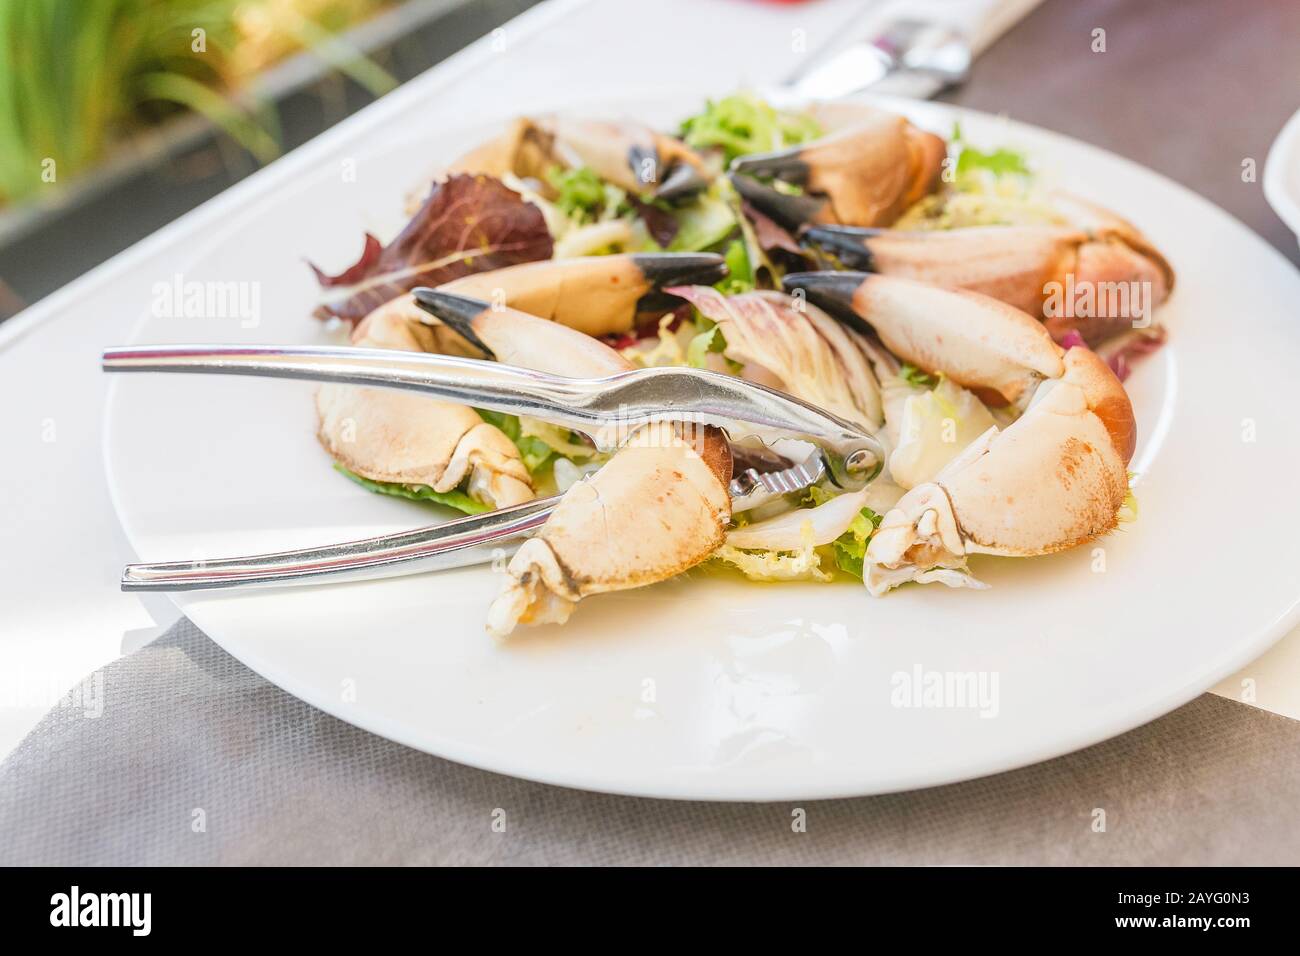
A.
x: 787, y: 164
x: 848, y: 244
x: 682, y: 180
x: 787, y: 210
x: 455, y: 311
x: 675, y: 268
x: 832, y: 292
x: 680, y: 268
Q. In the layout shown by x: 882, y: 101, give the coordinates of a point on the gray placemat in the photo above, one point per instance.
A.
x: 180, y: 754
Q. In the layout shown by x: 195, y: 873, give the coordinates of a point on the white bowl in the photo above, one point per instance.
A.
x: 1282, y: 174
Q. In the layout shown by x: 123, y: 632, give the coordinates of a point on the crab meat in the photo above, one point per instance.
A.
x: 658, y: 507
x: 1053, y: 479
x: 393, y: 436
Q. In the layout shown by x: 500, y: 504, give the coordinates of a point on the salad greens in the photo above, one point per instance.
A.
x: 801, y: 565
x: 703, y: 223
x: 539, y: 442
x: 453, y: 499
x: 740, y: 274
x: 582, y: 194
x: 987, y: 188
x: 915, y: 377
x: 850, y: 548
x: 708, y: 340
x: 743, y: 123
x: 584, y: 201
x: 1000, y: 162
x: 467, y: 224
x: 592, y: 217
x: 848, y: 551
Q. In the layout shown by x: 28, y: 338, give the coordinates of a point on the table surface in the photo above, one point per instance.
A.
x: 1189, y: 87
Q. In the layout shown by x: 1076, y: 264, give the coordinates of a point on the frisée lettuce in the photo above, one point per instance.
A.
x: 743, y: 123
x: 803, y: 564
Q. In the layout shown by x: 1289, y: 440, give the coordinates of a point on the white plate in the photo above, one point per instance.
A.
x: 715, y: 688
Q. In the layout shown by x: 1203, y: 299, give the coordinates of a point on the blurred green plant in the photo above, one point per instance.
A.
x: 77, y: 75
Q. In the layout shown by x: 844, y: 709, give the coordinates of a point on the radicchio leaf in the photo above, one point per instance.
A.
x: 370, y: 254
x: 468, y: 224
x: 1120, y: 351
x: 661, y: 225
x: 1071, y: 338
x: 771, y: 236
x: 813, y: 356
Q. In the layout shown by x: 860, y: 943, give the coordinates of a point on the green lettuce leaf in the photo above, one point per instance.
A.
x: 915, y: 377
x: 536, y: 451
x: 743, y: 123
x: 999, y: 162
x: 850, y: 548
x: 453, y: 499
x: 706, y: 341
x: 740, y: 275
x: 710, y: 340
x: 702, y: 223
x: 581, y: 192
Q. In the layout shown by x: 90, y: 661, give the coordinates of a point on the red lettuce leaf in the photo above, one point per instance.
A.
x: 769, y: 234
x: 468, y: 224
x: 1120, y: 352
x: 358, y: 271
x: 661, y: 225
x: 1071, y: 338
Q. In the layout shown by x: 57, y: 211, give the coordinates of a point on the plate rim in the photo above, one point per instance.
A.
x: 1285, y: 202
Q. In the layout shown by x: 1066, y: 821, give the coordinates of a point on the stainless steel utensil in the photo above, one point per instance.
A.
x: 607, y: 409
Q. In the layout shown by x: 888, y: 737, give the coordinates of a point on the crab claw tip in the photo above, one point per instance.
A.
x: 848, y: 244
x: 683, y: 180
x: 830, y: 291
x: 456, y: 311
x: 785, y: 163
x: 788, y: 210
x: 680, y: 268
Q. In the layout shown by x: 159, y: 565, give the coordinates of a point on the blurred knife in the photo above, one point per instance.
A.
x: 911, y: 48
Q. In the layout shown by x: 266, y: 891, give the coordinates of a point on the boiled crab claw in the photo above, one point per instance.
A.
x: 1053, y: 479
x: 598, y: 295
x: 1033, y: 268
x: 658, y: 507
x: 400, y: 437
x: 866, y: 173
x: 982, y: 344
x: 631, y: 156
